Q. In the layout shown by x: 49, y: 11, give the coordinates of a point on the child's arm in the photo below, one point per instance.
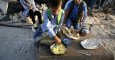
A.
x: 67, y: 9
x: 46, y: 26
x: 66, y: 14
x: 57, y: 40
x: 84, y: 14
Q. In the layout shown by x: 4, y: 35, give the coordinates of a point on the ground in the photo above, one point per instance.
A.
x: 103, y: 30
x: 17, y: 43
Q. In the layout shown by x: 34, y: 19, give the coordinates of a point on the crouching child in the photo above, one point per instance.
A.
x: 75, y: 14
x: 52, y: 21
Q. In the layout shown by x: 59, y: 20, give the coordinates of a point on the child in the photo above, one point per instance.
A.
x: 53, y: 19
x: 30, y: 9
x: 75, y: 14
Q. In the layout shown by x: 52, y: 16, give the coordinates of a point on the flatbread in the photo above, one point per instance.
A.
x: 71, y: 33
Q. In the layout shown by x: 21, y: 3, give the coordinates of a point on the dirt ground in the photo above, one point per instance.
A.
x: 16, y: 41
x: 103, y: 30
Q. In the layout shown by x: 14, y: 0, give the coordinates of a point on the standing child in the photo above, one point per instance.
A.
x: 53, y: 19
x: 31, y: 10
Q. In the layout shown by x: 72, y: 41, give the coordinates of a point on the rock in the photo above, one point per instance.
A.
x: 4, y: 7
x: 2, y: 16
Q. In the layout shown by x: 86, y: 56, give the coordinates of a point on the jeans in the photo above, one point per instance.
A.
x: 76, y: 25
x: 32, y: 15
x: 92, y: 3
x: 38, y: 33
x: 99, y: 3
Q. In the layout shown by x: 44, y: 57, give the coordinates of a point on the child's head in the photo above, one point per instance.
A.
x: 55, y: 6
x: 78, y: 1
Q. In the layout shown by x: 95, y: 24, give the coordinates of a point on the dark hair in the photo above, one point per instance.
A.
x: 54, y: 3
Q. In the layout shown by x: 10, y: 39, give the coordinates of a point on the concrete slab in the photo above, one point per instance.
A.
x: 16, y: 44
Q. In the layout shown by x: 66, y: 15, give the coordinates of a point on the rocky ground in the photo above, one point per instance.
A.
x: 102, y: 30
x: 16, y: 41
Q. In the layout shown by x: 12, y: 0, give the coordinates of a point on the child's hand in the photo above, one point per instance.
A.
x: 57, y: 40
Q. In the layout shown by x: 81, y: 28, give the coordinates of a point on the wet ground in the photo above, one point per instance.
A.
x: 17, y: 43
